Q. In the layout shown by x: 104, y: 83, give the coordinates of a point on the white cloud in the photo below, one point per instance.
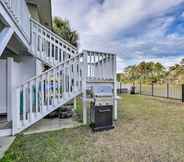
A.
x: 182, y: 15
x: 100, y: 25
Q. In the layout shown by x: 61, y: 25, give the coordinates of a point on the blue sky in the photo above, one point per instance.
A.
x: 136, y: 30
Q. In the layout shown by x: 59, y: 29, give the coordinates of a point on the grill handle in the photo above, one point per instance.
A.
x: 102, y: 111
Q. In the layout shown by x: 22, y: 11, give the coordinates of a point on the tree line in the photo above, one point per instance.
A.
x: 151, y: 72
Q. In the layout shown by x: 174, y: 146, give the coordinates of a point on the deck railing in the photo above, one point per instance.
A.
x: 19, y: 12
x: 48, y: 46
x: 44, y: 93
x: 100, y: 66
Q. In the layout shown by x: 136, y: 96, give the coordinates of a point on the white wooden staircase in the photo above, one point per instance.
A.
x: 44, y: 93
x: 69, y: 74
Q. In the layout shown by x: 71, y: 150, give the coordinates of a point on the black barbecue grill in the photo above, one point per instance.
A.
x: 102, y: 108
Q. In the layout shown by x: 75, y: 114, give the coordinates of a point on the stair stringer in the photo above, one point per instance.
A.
x: 5, y: 36
x: 53, y: 108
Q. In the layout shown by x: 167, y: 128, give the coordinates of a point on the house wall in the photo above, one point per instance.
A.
x: 23, y: 70
x: 39, y: 67
x: 13, y: 72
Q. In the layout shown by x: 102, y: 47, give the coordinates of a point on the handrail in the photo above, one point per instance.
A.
x: 54, y: 34
x: 38, y: 76
x: 101, y: 65
x: 48, y: 46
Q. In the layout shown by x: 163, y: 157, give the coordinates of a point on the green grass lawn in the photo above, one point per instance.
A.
x: 148, y: 130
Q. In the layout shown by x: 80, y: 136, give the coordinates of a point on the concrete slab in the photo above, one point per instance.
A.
x: 52, y: 124
x: 5, y: 143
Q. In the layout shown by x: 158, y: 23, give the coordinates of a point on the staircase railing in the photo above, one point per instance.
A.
x: 100, y: 66
x: 42, y: 94
x: 48, y: 46
x: 19, y: 12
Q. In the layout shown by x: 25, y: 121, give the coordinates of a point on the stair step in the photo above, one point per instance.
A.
x: 5, y: 125
x: 5, y: 132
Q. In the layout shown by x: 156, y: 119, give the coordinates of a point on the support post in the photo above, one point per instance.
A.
x: 84, y: 99
x: 182, y: 92
x: 16, y: 110
x: 120, y: 88
x: 115, y: 112
x: 167, y: 90
x: 75, y: 103
x: 140, y: 88
x: 152, y: 89
x: 9, y: 88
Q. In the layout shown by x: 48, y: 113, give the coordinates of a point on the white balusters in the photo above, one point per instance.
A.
x: 48, y: 91
x: 24, y: 104
x: 36, y: 96
x: 30, y: 101
x: 56, y: 47
x: 44, y: 93
x: 100, y: 66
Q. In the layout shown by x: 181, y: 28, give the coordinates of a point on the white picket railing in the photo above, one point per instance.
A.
x: 48, y: 46
x: 100, y: 66
x: 43, y: 94
x: 19, y: 12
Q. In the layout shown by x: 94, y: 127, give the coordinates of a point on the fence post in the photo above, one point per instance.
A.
x: 167, y: 90
x: 182, y: 92
x: 140, y: 88
x: 120, y: 88
x: 152, y: 88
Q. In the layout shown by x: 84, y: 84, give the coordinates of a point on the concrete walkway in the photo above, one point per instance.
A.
x: 5, y: 143
x: 46, y: 125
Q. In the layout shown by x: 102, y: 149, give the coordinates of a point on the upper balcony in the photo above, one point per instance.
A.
x: 40, y: 41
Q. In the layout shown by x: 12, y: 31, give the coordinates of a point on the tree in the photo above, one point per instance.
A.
x: 159, y: 72
x: 63, y: 28
x: 145, y: 71
x: 182, y: 62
